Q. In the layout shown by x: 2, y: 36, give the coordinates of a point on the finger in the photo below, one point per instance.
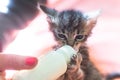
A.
x: 16, y: 62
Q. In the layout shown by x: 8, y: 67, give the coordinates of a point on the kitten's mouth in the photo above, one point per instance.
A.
x: 76, y: 47
x: 77, y: 50
x: 56, y: 47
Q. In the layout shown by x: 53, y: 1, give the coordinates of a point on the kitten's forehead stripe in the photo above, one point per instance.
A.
x: 70, y: 20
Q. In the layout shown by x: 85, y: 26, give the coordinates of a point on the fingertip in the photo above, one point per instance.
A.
x: 17, y: 62
x: 31, y: 61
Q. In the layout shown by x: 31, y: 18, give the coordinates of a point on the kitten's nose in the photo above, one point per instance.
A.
x: 71, y: 43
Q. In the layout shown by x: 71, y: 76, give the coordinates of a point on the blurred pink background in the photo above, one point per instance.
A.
x: 104, y: 42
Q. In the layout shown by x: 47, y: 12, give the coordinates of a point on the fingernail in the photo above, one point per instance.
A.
x: 31, y: 61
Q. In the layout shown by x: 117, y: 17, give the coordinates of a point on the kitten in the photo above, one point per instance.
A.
x: 72, y: 28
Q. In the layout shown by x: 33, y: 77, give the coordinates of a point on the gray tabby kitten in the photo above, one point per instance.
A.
x: 71, y: 27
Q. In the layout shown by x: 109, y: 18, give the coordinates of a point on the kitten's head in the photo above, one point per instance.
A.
x: 70, y: 27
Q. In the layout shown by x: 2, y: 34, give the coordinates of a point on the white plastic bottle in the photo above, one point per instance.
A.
x: 49, y: 67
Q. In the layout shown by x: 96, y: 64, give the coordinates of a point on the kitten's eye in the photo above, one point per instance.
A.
x: 79, y: 37
x: 62, y: 36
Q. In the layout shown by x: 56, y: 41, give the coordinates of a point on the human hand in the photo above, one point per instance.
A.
x: 16, y: 62
x: 31, y: 41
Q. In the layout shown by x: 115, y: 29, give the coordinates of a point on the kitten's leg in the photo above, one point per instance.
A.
x: 74, y: 71
x: 74, y: 63
x: 89, y: 69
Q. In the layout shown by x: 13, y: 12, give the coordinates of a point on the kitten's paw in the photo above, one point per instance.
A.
x: 74, y: 59
x: 74, y: 64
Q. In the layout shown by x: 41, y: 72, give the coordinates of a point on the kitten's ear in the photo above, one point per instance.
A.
x: 50, y: 12
x: 91, y: 20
